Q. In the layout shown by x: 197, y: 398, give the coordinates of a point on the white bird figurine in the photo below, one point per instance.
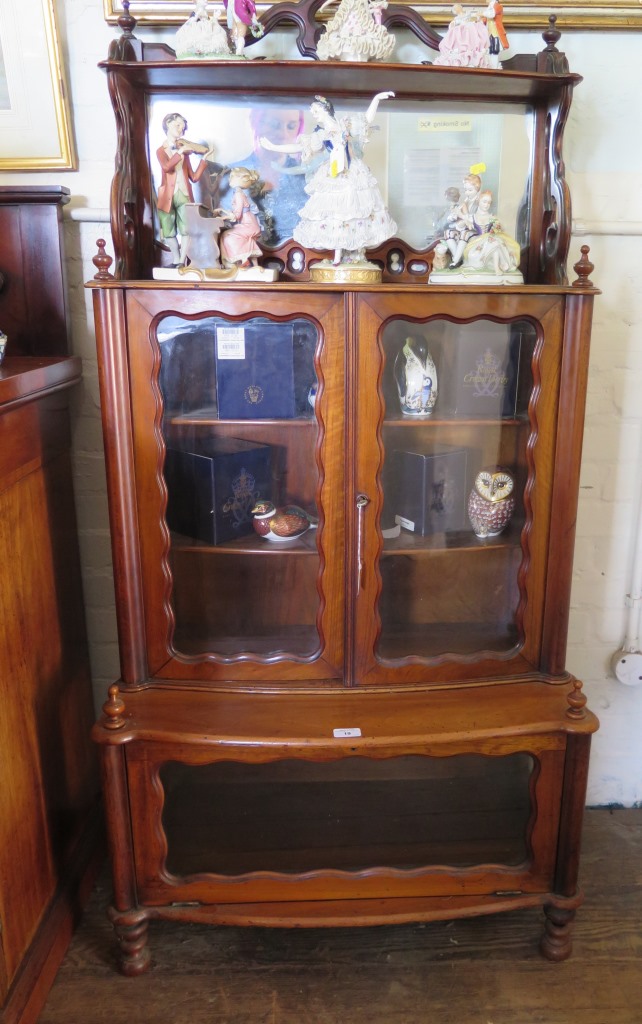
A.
x: 279, y: 524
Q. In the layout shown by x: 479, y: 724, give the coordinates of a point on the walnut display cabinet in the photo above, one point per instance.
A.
x: 371, y: 722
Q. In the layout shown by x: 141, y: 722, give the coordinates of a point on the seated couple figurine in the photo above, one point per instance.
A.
x: 472, y: 246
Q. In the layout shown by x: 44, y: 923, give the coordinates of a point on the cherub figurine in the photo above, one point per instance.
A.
x: 239, y: 243
x: 241, y: 19
x: 175, y: 189
x: 356, y: 32
x: 466, y: 43
x: 202, y: 36
x: 345, y: 212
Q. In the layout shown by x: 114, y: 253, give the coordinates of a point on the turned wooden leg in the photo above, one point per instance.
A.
x: 557, y: 940
x: 131, y: 931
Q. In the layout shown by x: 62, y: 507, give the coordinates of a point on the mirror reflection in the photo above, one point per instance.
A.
x: 419, y: 153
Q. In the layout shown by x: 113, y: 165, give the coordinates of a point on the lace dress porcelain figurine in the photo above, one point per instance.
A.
x: 466, y: 43
x: 345, y: 212
x: 202, y: 37
x: 355, y: 32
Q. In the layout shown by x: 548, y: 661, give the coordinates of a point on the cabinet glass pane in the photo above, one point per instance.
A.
x: 240, y: 432
x: 455, y: 439
x: 293, y: 816
x: 417, y: 150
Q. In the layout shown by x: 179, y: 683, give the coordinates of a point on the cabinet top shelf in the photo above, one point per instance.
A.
x: 421, y: 81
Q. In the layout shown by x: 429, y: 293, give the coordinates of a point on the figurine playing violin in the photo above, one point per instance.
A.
x: 175, y: 190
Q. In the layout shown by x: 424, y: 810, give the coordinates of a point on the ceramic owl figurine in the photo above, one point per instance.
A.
x: 279, y: 524
x: 416, y: 377
x: 491, y: 502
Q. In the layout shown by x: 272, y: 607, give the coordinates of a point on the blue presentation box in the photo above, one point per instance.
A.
x: 213, y: 488
x: 254, y: 371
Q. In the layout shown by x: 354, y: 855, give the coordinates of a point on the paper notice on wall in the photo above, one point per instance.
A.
x: 429, y: 172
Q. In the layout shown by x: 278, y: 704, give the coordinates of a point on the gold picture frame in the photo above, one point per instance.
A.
x: 587, y: 14
x: 35, y: 122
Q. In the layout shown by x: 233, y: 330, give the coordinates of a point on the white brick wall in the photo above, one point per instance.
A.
x: 603, y: 156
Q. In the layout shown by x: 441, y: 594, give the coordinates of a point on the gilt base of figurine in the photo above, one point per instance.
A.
x: 362, y: 272
x: 466, y: 275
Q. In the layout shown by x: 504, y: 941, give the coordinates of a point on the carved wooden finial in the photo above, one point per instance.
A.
x: 113, y: 709
x: 583, y: 268
x: 576, y: 700
x: 102, y: 261
x: 127, y: 22
x: 550, y: 35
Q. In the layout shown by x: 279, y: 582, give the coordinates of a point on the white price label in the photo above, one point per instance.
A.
x: 342, y: 734
x: 230, y: 342
x: 406, y: 523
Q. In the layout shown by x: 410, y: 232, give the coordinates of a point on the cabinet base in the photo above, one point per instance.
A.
x: 131, y: 926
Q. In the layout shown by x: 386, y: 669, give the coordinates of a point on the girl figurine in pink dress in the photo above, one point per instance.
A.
x: 239, y: 243
x: 466, y: 43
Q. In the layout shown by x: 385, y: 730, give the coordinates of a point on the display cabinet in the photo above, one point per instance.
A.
x: 366, y: 717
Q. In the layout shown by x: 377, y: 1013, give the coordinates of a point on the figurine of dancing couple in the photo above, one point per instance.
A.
x: 345, y: 212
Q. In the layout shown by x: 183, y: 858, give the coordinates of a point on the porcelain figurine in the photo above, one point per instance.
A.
x: 202, y: 37
x: 488, y: 255
x: 448, y: 214
x: 281, y: 524
x: 345, y: 212
x: 491, y: 503
x: 466, y: 43
x: 459, y: 226
x: 240, y: 242
x: 497, y: 39
x: 3, y: 344
x: 355, y: 32
x: 175, y: 189
x: 241, y: 19
x: 492, y: 250
x: 416, y: 377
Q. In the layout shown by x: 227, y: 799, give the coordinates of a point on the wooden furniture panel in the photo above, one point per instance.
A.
x: 33, y: 302
x: 49, y: 822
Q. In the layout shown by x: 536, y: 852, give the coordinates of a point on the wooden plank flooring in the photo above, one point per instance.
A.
x: 478, y: 971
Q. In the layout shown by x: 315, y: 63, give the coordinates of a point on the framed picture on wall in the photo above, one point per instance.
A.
x: 519, y: 14
x: 35, y: 123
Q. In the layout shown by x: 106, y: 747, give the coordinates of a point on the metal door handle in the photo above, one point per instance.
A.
x: 361, y: 502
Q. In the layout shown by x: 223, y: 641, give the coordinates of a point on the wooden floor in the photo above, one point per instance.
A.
x: 479, y: 971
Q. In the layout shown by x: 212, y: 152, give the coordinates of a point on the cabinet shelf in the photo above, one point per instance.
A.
x: 449, y: 421
x: 459, y: 540
x: 251, y: 544
x: 209, y: 417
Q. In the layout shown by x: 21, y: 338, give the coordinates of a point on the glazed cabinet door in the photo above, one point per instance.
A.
x: 237, y: 424
x: 456, y: 414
